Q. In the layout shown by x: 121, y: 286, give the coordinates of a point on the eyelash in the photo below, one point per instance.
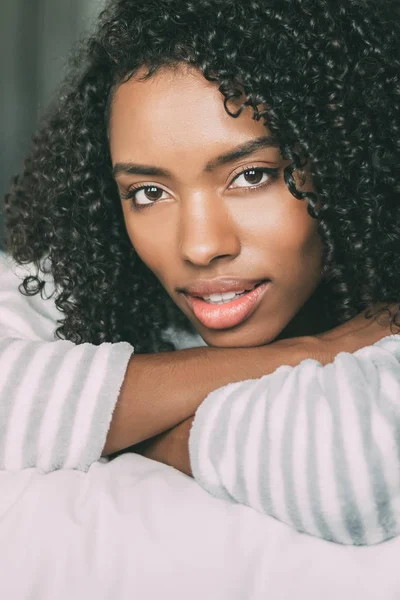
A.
x: 272, y: 173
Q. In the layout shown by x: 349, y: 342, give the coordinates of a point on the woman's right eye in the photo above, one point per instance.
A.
x: 147, y: 195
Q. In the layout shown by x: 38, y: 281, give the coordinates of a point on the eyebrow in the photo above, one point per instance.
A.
x: 242, y: 151
x: 133, y: 169
x: 239, y: 152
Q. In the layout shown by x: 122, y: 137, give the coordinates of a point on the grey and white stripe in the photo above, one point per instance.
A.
x: 316, y: 447
x: 56, y: 399
x: 324, y: 450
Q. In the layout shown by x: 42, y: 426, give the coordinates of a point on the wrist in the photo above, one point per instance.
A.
x: 293, y: 351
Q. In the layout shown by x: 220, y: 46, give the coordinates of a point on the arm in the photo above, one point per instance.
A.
x: 58, y: 401
x: 161, y: 391
x: 170, y: 447
x: 314, y: 446
x: 63, y: 406
x: 328, y: 436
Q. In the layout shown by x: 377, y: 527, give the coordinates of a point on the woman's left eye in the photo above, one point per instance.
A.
x: 252, y: 178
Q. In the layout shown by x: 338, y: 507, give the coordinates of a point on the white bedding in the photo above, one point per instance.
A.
x: 135, y: 529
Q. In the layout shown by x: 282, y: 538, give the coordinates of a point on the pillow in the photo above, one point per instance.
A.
x: 134, y: 528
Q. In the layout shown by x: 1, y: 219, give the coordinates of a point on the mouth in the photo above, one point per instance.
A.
x: 226, y: 309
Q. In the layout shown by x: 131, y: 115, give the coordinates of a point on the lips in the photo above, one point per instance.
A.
x: 220, y: 285
x: 228, y: 314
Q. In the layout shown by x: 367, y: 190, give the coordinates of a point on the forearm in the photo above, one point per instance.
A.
x: 170, y: 447
x: 162, y: 390
x: 313, y: 446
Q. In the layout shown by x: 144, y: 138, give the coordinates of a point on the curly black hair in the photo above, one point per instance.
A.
x: 325, y: 77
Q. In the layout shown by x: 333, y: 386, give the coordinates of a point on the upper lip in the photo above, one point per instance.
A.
x: 219, y: 285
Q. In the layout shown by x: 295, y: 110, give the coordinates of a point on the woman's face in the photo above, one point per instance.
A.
x: 207, y: 209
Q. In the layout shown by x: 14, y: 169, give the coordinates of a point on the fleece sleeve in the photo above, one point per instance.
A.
x: 317, y: 447
x: 56, y: 398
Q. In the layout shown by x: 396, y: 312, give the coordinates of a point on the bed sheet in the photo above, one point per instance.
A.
x: 135, y: 529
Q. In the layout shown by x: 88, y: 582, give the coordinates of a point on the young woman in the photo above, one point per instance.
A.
x: 231, y: 168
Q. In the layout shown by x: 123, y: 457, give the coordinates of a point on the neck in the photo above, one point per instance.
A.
x: 312, y: 318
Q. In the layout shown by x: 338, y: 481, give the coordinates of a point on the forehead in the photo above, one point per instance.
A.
x: 175, y: 112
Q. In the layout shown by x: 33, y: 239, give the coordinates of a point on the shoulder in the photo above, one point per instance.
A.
x: 17, y: 310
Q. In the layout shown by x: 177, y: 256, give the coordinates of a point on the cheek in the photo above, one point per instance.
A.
x: 299, y: 240
x: 286, y: 236
x: 150, y: 243
x: 300, y: 256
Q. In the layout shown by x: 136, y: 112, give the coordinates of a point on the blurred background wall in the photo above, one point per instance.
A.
x: 35, y: 39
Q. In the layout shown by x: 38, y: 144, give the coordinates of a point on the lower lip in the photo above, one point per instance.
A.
x: 231, y: 314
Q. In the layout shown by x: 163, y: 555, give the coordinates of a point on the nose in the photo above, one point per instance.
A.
x: 207, y: 231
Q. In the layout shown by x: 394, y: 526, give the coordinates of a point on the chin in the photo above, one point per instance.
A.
x: 229, y: 338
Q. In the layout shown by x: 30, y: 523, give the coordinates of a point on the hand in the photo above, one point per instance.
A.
x: 170, y: 447
x: 356, y: 333
x: 362, y: 331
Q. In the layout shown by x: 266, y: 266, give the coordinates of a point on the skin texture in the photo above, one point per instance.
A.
x: 202, y: 221
x: 172, y: 447
x: 194, y: 223
x: 328, y: 75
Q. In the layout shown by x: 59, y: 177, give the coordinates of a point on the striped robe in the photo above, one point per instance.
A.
x: 317, y: 447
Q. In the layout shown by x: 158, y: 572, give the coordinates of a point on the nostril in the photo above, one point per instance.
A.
x: 205, y: 258
x: 208, y: 237
x: 205, y: 252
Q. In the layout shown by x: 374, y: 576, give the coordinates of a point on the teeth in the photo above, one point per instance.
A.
x: 228, y: 296
x: 222, y: 298
x: 215, y: 297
